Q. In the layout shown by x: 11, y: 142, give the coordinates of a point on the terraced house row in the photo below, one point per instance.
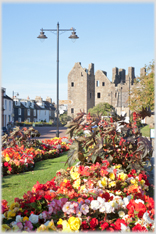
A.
x: 17, y: 109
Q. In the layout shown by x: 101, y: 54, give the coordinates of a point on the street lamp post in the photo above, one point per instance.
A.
x: 72, y: 36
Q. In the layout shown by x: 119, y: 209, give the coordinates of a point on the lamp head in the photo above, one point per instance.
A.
x: 73, y: 35
x: 42, y: 36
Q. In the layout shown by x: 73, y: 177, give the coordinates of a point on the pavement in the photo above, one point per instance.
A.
x: 50, y: 132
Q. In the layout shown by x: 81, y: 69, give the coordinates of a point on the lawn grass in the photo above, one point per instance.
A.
x: 16, y: 185
x: 145, y: 131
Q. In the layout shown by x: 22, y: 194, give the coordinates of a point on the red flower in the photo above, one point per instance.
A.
x: 85, y: 225
x: 139, y: 228
x: 104, y: 226
x: 6, y: 164
x: 10, y: 169
x: 118, y: 224
x: 93, y: 223
x: 48, y: 197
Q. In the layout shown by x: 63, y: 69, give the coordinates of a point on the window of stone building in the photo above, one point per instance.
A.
x: 98, y: 95
x: 81, y: 74
x: 90, y: 95
x: 28, y: 112
x: 19, y: 120
x: 103, y: 83
x: 72, y: 84
x: 72, y: 110
x: 97, y: 83
x: 115, y: 95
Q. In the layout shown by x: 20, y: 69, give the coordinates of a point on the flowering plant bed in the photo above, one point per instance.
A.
x: 19, y: 159
x: 106, y: 190
x: 85, y: 198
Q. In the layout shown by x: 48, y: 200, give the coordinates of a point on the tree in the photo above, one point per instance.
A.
x: 101, y: 109
x: 142, y: 92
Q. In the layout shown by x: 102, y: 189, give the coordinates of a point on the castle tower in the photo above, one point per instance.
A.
x: 115, y: 76
x: 122, y: 74
x: 81, y: 89
x: 131, y: 74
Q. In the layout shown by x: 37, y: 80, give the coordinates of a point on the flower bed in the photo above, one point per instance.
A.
x: 19, y: 159
x: 84, y: 198
x: 106, y: 190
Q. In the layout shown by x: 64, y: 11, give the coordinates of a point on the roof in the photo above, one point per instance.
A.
x: 7, y: 97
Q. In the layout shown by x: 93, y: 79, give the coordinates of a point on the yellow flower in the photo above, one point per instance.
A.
x: 133, y: 181
x: 76, y: 183
x: 74, y: 223
x: 82, y: 187
x: 51, y: 225
x: 5, y: 227
x: 104, y: 181
x: 42, y: 228
x: 123, y: 176
x: 142, y: 182
x: 13, y: 205
x: 112, y: 176
x: 11, y: 214
x: 66, y: 226
x: 112, y: 184
x: 118, y: 166
x: 74, y: 175
x: 65, y: 180
x: 25, y: 218
x: 60, y: 221
x: 7, y: 158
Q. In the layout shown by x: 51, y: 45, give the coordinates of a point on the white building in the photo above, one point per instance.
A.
x: 7, y: 109
x: 42, y: 111
x: 62, y: 109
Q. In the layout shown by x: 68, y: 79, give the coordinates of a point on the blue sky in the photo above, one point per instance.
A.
x: 110, y: 35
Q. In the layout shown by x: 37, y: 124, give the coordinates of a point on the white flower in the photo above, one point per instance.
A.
x: 19, y: 218
x: 109, y: 208
x: 127, y: 200
x: 121, y: 214
x: 147, y: 218
x: 95, y: 205
x: 33, y: 218
x: 13, y: 223
x: 101, y: 201
x: 58, y: 146
x: 139, y: 200
x: 102, y: 209
x: 124, y: 228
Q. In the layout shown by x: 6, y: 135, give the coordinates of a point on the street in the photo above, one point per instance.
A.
x: 50, y: 132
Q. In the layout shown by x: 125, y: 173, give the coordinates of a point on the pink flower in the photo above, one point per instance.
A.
x: 28, y: 226
x: 20, y: 225
x: 68, y: 208
x: 84, y: 209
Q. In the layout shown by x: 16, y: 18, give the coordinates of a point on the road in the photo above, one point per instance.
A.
x: 50, y: 132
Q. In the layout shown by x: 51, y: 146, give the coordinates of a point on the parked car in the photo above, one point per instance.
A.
x: 4, y: 131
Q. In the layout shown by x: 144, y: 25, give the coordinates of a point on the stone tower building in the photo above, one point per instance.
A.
x: 81, y: 88
x: 86, y: 90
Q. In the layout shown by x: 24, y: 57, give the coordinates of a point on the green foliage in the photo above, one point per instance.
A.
x: 64, y: 118
x: 115, y: 140
x: 142, y: 92
x: 103, y: 109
